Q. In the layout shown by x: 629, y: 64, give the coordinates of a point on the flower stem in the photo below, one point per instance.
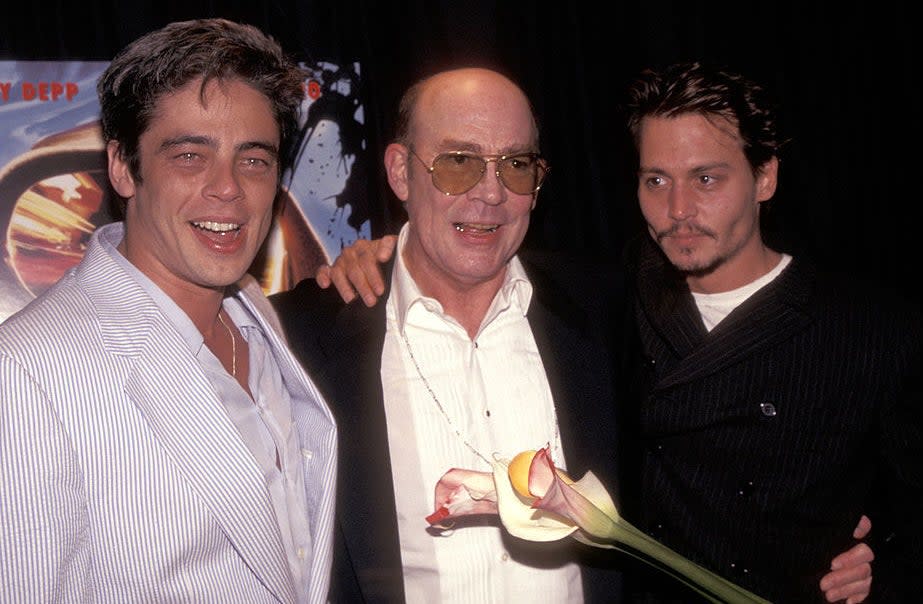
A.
x: 710, y: 585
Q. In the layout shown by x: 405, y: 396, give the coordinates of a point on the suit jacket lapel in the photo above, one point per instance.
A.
x: 579, y: 367
x: 187, y: 418
x: 768, y: 316
x: 223, y: 473
x: 366, y: 508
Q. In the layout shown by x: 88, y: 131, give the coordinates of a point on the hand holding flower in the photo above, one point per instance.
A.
x: 537, y: 501
x: 462, y: 493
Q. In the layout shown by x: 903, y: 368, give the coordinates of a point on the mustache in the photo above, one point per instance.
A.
x: 684, y: 229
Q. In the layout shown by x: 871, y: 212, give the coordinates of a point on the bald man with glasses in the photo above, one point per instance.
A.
x: 453, y: 250
x: 479, y: 350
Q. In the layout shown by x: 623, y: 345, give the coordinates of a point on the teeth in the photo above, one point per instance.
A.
x: 461, y: 227
x: 217, y: 227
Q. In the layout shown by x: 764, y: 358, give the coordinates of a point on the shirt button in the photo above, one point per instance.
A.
x: 301, y: 553
x: 505, y: 556
x: 307, y: 454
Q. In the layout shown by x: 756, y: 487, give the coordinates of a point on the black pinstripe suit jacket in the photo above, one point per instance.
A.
x: 762, y: 442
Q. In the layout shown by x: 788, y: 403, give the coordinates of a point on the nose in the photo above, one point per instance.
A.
x: 223, y: 183
x: 681, y: 205
x: 490, y: 189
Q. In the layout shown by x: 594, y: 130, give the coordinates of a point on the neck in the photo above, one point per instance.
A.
x: 200, y: 303
x: 732, y: 273
x: 466, y: 302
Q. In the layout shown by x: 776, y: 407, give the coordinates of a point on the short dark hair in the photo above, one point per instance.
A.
x: 696, y: 88
x: 165, y: 60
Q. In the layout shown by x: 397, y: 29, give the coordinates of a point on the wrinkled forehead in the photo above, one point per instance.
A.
x: 491, y: 116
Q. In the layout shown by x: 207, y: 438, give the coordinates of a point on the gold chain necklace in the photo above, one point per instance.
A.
x: 438, y: 403
x: 233, y: 345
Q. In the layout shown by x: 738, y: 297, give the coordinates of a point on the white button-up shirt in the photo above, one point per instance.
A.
x: 495, y: 399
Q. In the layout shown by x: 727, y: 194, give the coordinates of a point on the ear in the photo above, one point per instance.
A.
x: 397, y: 157
x: 766, y: 180
x: 119, y: 172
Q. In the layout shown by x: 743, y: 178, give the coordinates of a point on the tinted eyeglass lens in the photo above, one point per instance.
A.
x: 520, y: 173
x: 456, y: 173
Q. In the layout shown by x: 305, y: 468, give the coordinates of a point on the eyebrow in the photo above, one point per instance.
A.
x: 208, y: 141
x: 177, y: 141
x: 267, y: 147
x: 720, y: 165
x: 458, y: 145
x: 695, y: 169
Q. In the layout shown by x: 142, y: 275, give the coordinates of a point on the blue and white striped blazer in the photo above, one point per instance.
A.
x: 123, y: 479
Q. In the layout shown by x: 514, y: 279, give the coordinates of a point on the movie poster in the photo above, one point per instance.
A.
x: 54, y: 191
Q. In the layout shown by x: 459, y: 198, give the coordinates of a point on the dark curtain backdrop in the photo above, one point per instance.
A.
x: 848, y: 78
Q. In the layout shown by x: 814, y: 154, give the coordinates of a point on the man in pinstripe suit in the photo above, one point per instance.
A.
x: 158, y: 442
x: 777, y: 403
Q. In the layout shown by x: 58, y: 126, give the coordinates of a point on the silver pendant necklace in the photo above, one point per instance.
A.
x: 438, y: 403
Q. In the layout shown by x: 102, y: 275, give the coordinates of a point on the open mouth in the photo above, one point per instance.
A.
x: 468, y: 227
x: 220, y: 228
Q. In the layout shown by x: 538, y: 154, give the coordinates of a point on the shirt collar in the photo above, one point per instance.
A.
x: 110, y: 236
x: 515, y: 292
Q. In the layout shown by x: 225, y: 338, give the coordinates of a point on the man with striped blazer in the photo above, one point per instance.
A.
x: 158, y: 442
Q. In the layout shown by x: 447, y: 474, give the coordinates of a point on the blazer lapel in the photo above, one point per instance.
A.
x: 770, y: 315
x: 313, y: 419
x: 187, y: 418
x: 366, y: 509
x: 579, y: 366
x: 222, y: 472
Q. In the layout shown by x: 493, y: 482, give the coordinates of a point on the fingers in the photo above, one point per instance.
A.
x: 851, y: 576
x: 851, y: 593
x: 357, y: 270
x: 322, y: 276
x: 463, y: 492
x: 863, y: 528
x: 857, y: 555
x: 386, y: 247
x: 367, y: 277
x: 341, y: 282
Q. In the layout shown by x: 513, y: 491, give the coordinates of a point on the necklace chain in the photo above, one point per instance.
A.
x: 233, y: 345
x: 438, y: 403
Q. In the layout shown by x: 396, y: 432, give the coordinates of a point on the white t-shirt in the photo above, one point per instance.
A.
x: 715, y: 307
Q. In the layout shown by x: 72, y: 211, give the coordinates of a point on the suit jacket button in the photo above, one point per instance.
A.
x: 768, y: 409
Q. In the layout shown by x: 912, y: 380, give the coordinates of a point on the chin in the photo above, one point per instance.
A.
x: 688, y: 261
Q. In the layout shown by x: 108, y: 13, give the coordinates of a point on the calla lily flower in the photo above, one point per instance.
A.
x: 538, y: 501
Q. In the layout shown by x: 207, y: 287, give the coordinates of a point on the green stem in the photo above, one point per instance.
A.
x: 713, y: 587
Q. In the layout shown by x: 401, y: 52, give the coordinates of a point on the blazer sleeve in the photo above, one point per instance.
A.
x: 45, y: 550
